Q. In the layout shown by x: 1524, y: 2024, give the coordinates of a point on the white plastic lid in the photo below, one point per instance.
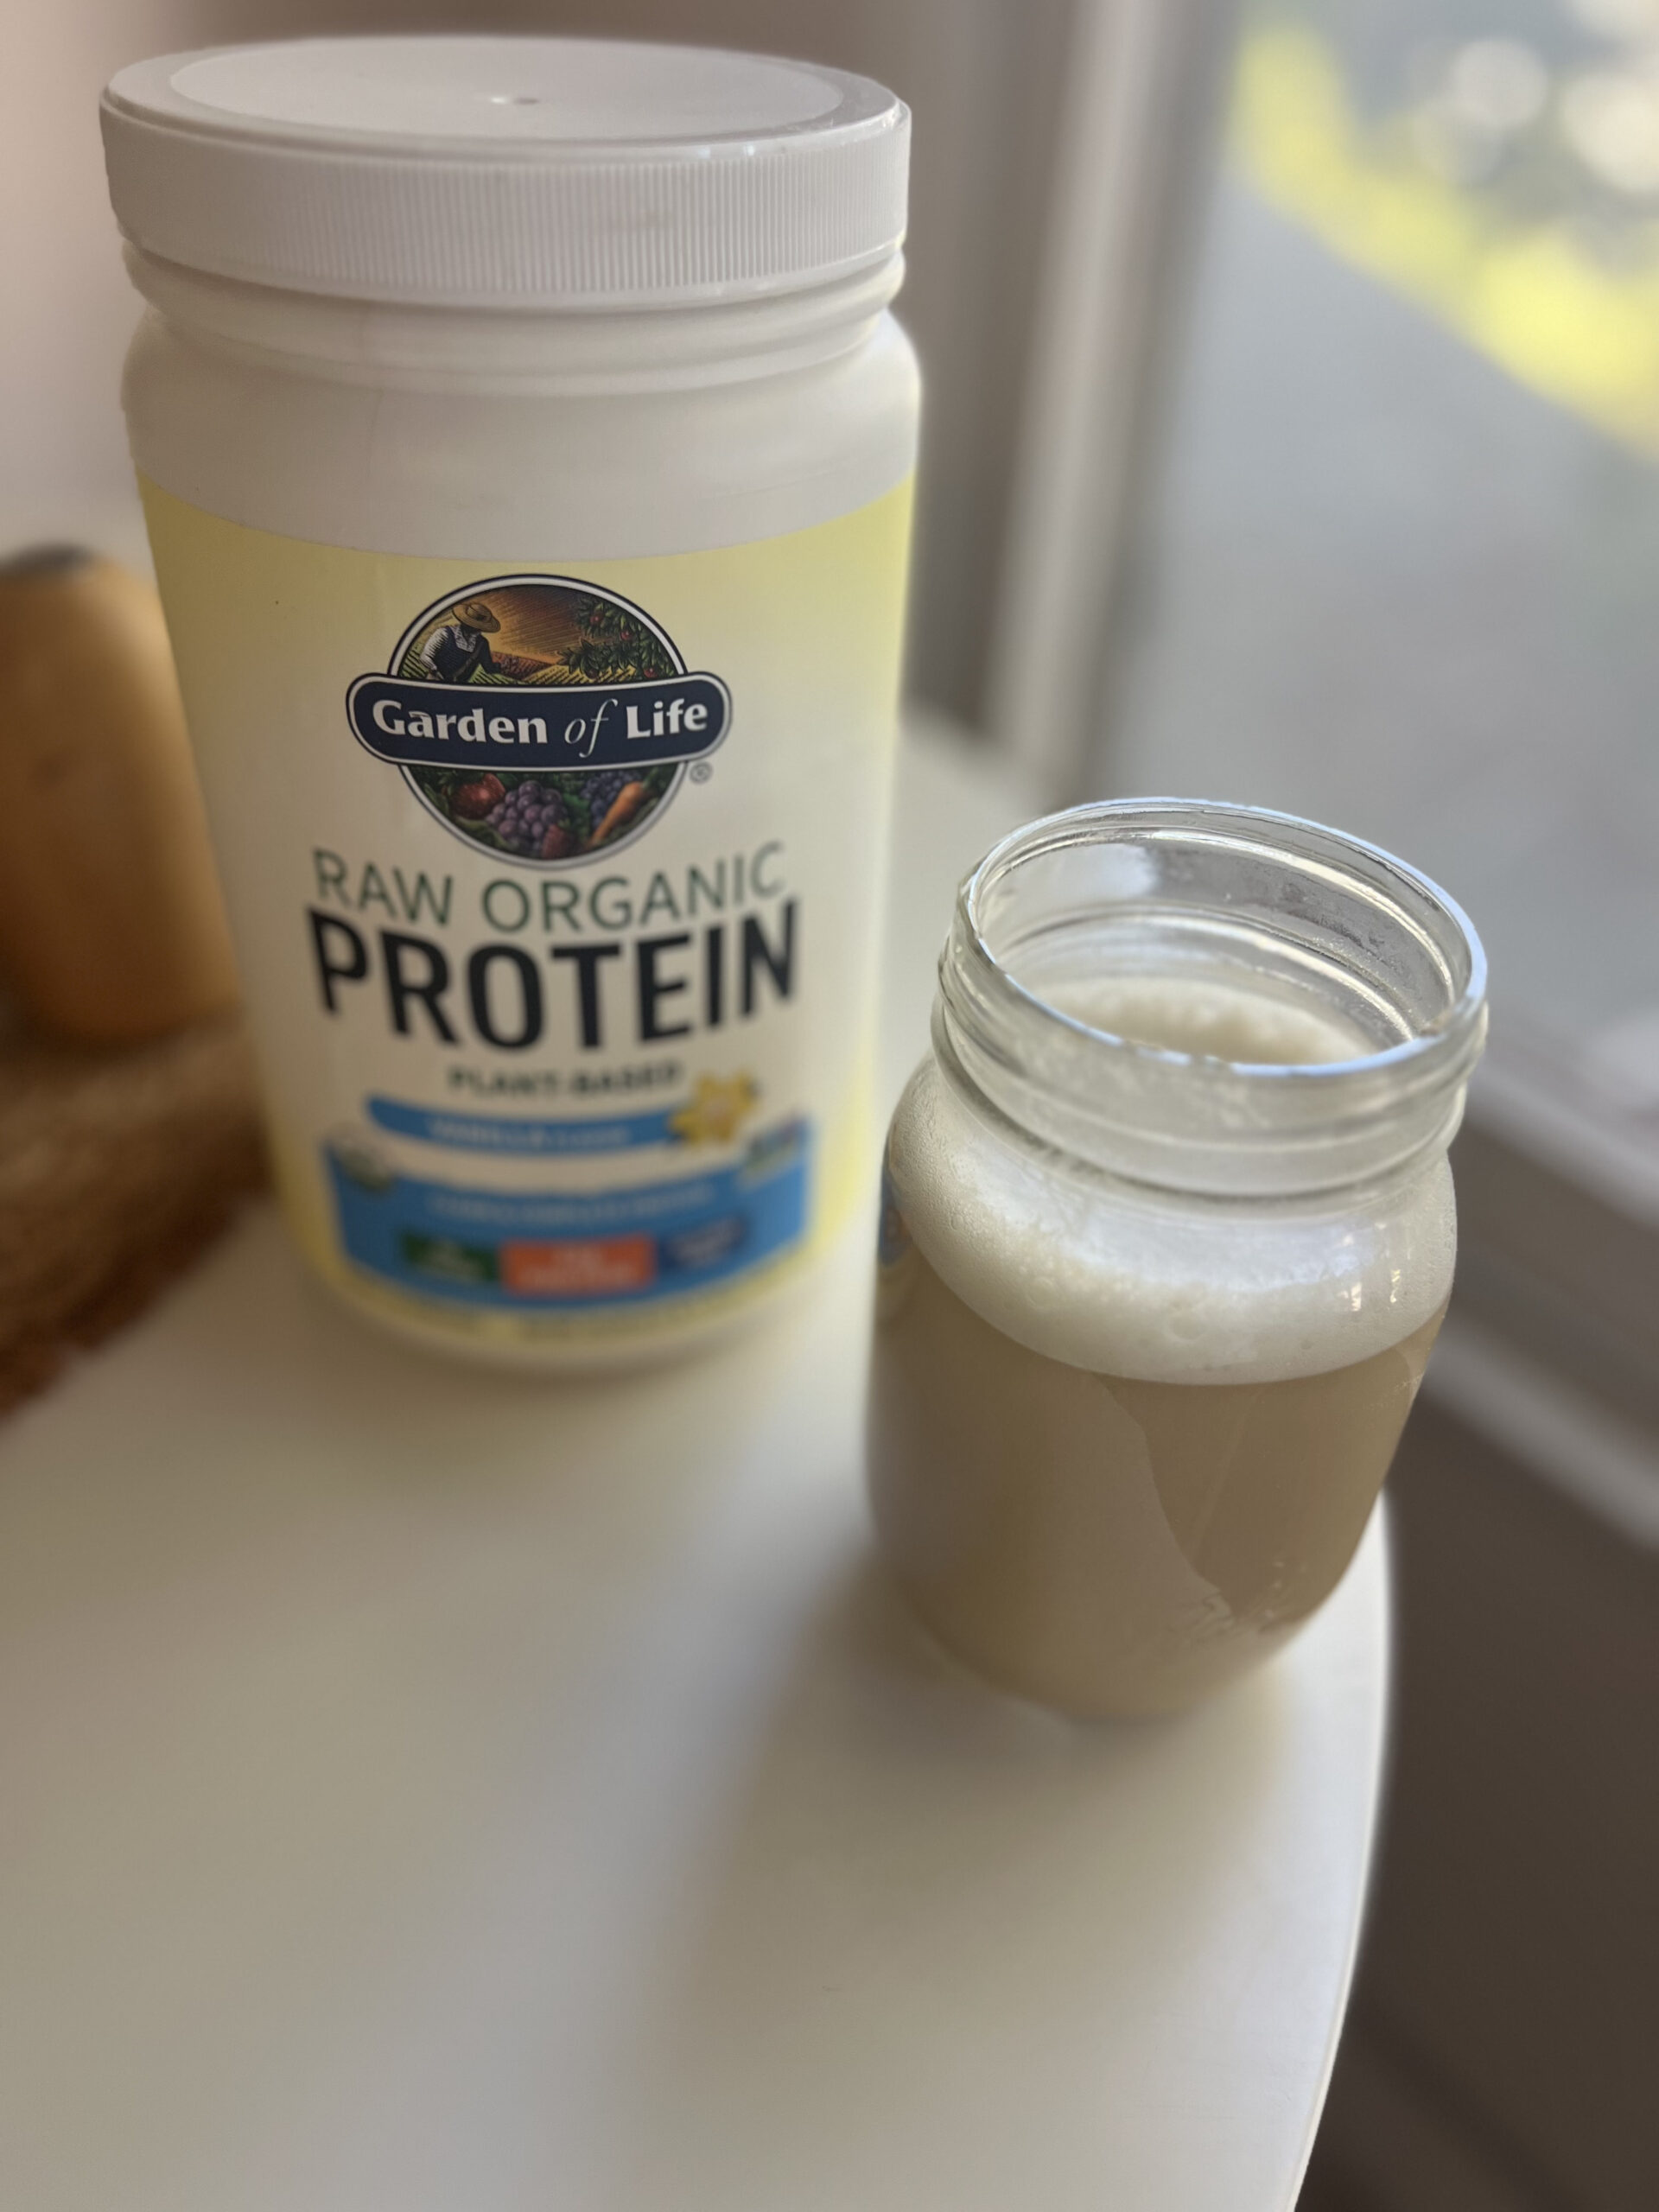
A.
x: 479, y: 172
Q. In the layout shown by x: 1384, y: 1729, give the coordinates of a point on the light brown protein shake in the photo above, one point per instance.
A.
x: 1121, y: 1442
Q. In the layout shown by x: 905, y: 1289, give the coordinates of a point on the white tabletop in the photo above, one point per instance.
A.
x: 425, y: 1792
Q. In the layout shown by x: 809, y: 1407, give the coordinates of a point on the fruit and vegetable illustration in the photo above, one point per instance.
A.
x: 542, y: 634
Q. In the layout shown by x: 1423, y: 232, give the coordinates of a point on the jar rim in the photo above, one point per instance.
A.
x: 1148, y: 1110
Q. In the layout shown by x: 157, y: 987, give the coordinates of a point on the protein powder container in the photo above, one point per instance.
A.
x: 526, y: 448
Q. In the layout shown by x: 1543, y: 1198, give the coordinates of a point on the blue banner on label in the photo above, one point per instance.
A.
x: 520, y: 1136
x: 562, y: 726
x: 516, y: 1250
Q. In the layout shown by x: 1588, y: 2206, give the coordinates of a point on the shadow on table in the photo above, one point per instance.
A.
x: 926, y: 1900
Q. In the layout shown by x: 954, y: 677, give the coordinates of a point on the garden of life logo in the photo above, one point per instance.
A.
x: 539, y: 718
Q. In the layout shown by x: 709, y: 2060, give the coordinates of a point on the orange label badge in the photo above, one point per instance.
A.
x: 590, y: 1267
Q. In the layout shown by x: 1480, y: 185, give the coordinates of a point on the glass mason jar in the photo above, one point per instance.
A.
x: 1167, y: 1234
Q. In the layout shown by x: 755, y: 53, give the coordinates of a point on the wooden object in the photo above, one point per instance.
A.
x: 116, y: 1168
x: 110, y: 924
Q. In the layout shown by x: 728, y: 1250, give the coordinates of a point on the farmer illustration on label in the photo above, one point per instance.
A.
x: 454, y: 652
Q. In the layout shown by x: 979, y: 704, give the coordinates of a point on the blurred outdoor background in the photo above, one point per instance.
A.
x: 1292, y: 436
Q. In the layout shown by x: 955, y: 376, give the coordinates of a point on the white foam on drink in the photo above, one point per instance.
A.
x: 1204, y: 1015
x: 1126, y: 1281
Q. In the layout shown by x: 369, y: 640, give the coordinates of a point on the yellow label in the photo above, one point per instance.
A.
x: 555, y: 888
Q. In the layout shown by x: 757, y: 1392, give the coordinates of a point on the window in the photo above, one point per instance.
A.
x: 1402, y: 574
